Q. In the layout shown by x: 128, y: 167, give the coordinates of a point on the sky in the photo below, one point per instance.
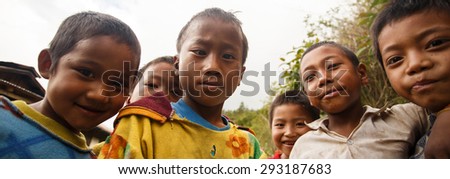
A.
x: 273, y: 28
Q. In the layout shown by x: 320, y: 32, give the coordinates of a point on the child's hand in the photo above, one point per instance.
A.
x: 438, y: 145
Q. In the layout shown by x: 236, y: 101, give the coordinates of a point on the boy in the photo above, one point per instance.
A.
x: 332, y: 77
x: 212, y: 49
x: 417, y: 62
x: 80, y: 94
x: 288, y: 114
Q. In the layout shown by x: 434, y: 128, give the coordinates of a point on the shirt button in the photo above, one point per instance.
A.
x: 350, y: 142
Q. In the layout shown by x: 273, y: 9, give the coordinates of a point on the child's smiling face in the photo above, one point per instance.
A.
x: 288, y: 125
x: 90, y: 83
x: 332, y: 82
x: 415, y: 52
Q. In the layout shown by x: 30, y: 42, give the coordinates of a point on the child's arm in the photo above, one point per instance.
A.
x: 438, y: 145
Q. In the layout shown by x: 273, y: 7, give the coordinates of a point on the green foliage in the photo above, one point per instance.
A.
x: 258, y: 121
x: 354, y: 33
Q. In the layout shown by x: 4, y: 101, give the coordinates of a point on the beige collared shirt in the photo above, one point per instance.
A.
x: 389, y: 133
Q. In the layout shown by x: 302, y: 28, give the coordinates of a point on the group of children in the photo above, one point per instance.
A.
x: 173, y: 104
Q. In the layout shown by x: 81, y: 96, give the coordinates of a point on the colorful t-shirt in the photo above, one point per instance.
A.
x: 141, y: 132
x: 26, y: 133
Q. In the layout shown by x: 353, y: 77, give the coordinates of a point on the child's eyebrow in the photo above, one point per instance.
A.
x: 390, y: 47
x: 322, y: 61
x: 422, y: 35
x: 89, y: 62
x: 200, y: 41
x: 207, y: 42
x: 432, y: 30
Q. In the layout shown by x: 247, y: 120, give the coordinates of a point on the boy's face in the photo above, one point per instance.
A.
x: 330, y: 80
x: 416, y: 56
x: 288, y: 125
x: 89, y: 83
x: 210, y: 61
x: 157, y: 77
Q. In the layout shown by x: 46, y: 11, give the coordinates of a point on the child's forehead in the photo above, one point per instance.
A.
x: 106, y: 53
x: 429, y: 14
x: 290, y: 105
x: 322, y: 54
x: 201, y: 23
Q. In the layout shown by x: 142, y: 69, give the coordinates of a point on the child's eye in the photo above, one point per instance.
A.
x: 309, y: 77
x: 152, y: 86
x: 436, y: 43
x: 228, y: 56
x: 85, y: 72
x: 300, y: 124
x: 199, y: 52
x: 393, y: 60
x: 332, y: 66
x: 279, y: 125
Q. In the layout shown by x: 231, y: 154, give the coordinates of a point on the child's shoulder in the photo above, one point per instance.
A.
x: 406, y: 108
x: 243, y: 128
x: 7, y: 107
x: 156, y: 107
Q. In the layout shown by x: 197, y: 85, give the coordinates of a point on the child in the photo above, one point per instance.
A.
x: 332, y: 77
x: 212, y: 49
x: 289, y: 112
x: 417, y: 62
x: 79, y: 95
x: 157, y: 76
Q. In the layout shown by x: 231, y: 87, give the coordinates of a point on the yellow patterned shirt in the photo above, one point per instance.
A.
x: 144, y: 133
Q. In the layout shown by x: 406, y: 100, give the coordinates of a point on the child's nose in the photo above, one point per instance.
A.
x: 100, y: 94
x: 418, y: 63
x: 212, y: 63
x: 290, y: 132
x: 324, y: 79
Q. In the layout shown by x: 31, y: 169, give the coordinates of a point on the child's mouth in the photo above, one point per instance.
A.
x: 423, y: 85
x: 89, y: 109
x: 331, y: 93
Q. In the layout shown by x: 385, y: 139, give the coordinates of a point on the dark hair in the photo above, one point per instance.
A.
x: 396, y: 10
x: 347, y: 52
x: 293, y: 97
x: 163, y: 59
x: 88, y: 24
x: 220, y: 14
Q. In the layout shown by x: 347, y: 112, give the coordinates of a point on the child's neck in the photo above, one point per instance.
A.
x: 213, y: 114
x: 346, y: 121
x: 45, y: 109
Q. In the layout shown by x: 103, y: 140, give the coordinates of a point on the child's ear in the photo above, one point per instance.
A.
x: 241, y: 75
x: 44, y: 63
x: 363, y: 74
x: 176, y: 63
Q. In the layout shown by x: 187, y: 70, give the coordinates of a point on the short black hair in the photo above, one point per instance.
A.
x: 84, y: 25
x: 293, y: 97
x: 218, y: 14
x: 396, y: 10
x: 347, y: 52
